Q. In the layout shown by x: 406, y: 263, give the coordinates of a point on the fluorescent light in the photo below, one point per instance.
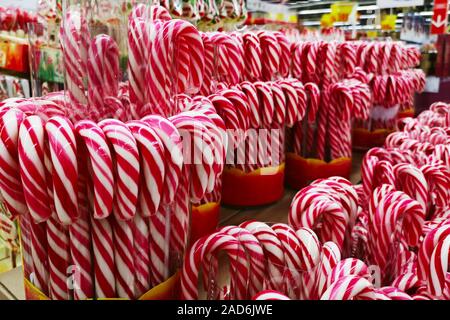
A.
x: 306, y: 12
x: 372, y: 7
x: 311, y: 23
x: 367, y: 16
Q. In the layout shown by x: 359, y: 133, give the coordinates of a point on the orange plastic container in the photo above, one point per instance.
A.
x: 301, y: 171
x: 204, y: 220
x: 168, y: 290
x: 259, y: 187
x: 405, y: 114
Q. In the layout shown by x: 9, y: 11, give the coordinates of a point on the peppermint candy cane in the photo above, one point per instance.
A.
x: 284, y: 45
x: 103, y: 71
x: 138, y: 47
x: 142, y: 263
x: 291, y: 99
x: 250, y: 91
x: 256, y: 256
x: 347, y: 267
x: 126, y: 167
x: 279, y: 103
x: 73, y: 44
x: 291, y: 247
x: 349, y: 288
x: 330, y: 257
x: 104, y: 263
x: 32, y: 168
x: 152, y: 163
x: 207, y: 247
x: 435, y: 239
x: 171, y: 140
x: 271, y: 52
x: 314, y: 202
x: 10, y: 183
x: 437, y: 274
x: 201, y: 157
x: 152, y: 166
x: 273, y: 250
x: 63, y: 150
x: 412, y: 181
x: 252, y: 54
x: 270, y: 295
x: 124, y: 258
x: 100, y: 161
x: 391, y: 207
x: 406, y: 282
x: 437, y: 177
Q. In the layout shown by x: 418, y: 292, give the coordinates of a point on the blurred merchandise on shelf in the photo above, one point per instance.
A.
x: 13, y: 87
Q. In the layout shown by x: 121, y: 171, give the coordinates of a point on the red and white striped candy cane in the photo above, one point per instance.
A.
x: 252, y: 54
x: 195, y: 134
x: 101, y: 166
x: 208, y: 87
x: 330, y: 256
x: 347, y: 267
x: 284, y: 44
x: 291, y: 98
x: 63, y: 150
x: 432, y: 270
x: 270, y: 295
x: 124, y: 257
x: 279, y: 102
x: 138, y: 47
x: 104, y: 263
x: 203, y: 250
x: 151, y: 189
x: 350, y: 288
x: 228, y: 56
x: 126, y: 167
x: 273, y: 250
x: 313, y: 204
x: 10, y: 183
x: 413, y: 182
x: 390, y: 207
x: 437, y: 177
x: 103, y: 71
x: 270, y: 53
x: 255, y: 255
x: 291, y: 247
x: 252, y: 97
x: 32, y: 168
x: 438, y: 270
x: 141, y: 238
x: 74, y: 35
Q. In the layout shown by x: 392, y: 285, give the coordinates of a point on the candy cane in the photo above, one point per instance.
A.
x: 126, y: 167
x: 256, y: 256
x: 32, y: 169
x: 10, y: 183
x: 138, y: 47
x: 101, y: 165
x: 201, y: 251
x: 349, y: 288
x: 330, y: 256
x: 273, y: 249
x: 74, y: 50
x: 152, y: 163
x: 252, y: 53
x: 103, y: 70
x: 270, y: 295
x: 291, y: 247
x: 63, y: 149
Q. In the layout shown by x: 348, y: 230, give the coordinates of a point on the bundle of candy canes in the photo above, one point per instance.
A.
x: 392, y: 93
x: 313, y: 256
x: 383, y: 66
x: 102, y: 192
